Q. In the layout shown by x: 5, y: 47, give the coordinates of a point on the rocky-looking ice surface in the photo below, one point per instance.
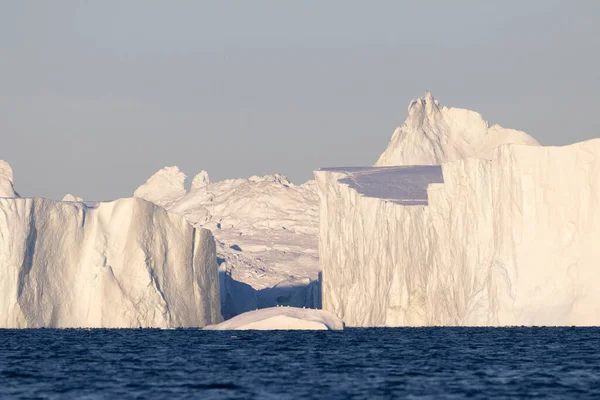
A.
x: 120, y: 264
x: 266, y: 230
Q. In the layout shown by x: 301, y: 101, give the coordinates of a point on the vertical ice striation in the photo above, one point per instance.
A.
x: 546, y: 265
x: 507, y: 241
x: 373, y: 251
x: 122, y: 264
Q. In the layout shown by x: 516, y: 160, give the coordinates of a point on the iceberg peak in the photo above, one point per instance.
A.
x: 434, y: 134
x: 201, y: 180
x: 72, y: 198
x: 164, y: 187
x: 6, y: 180
x: 422, y: 109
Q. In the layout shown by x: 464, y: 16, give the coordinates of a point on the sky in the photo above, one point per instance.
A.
x: 97, y: 96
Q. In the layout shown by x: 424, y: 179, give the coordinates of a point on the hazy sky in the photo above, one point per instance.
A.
x: 97, y: 96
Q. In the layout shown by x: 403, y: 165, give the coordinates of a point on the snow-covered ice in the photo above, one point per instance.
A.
x: 282, y: 318
x: 121, y: 264
x: 266, y: 230
x: 405, y: 185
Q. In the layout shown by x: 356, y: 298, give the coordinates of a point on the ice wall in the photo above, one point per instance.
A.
x: 511, y: 241
x: 373, y: 251
x: 546, y: 266
x: 126, y: 263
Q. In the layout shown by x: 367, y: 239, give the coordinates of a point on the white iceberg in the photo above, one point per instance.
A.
x: 120, y: 264
x: 507, y: 238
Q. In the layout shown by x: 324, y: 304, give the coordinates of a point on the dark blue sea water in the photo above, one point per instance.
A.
x: 356, y: 363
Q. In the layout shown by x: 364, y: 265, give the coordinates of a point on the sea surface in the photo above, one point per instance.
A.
x: 352, y: 364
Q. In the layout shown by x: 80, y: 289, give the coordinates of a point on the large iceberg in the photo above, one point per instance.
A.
x: 507, y: 238
x: 120, y: 264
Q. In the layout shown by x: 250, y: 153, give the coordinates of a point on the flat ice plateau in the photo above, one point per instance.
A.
x: 282, y: 318
x: 507, y: 237
x: 121, y: 264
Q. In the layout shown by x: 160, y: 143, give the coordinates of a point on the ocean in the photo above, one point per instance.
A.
x: 352, y: 364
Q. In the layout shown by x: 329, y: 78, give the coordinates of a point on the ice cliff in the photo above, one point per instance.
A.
x: 125, y: 263
x: 433, y: 134
x: 507, y: 241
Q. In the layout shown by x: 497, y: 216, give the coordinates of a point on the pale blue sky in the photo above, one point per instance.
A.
x: 97, y: 96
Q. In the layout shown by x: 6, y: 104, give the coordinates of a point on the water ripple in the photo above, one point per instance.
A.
x: 356, y: 363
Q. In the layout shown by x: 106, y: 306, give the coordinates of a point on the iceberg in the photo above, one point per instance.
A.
x: 121, y: 264
x: 494, y: 239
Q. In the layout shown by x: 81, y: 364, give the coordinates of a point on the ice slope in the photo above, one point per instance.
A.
x: 266, y: 231
x: 282, y: 318
x: 434, y: 134
x: 6, y: 180
x: 511, y: 241
x: 125, y: 264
